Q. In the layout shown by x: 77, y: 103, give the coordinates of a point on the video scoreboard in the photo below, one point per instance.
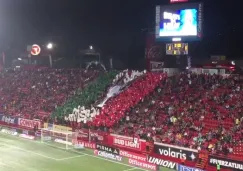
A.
x: 177, y: 49
x: 179, y: 22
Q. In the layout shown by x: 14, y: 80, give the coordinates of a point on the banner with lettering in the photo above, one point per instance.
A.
x: 175, y: 151
x: 29, y: 123
x: 127, y: 143
x: 59, y: 128
x: 225, y: 163
x: 8, y: 119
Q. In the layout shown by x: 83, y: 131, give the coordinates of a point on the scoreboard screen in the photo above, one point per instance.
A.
x: 177, y: 49
x: 181, y: 22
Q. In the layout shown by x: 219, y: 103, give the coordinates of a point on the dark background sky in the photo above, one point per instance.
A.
x: 114, y: 26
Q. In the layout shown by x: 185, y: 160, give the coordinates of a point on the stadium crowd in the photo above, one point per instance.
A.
x: 114, y: 110
x: 86, y: 113
x: 198, y: 111
x: 35, y: 93
x: 203, y: 112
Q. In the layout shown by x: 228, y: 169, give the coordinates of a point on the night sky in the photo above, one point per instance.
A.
x: 114, y: 27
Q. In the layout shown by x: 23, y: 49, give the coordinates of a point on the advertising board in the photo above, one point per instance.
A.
x: 9, y: 131
x: 179, y: 22
x: 225, y: 163
x: 29, y: 123
x: 30, y: 137
x: 176, y: 152
x: 86, y: 144
x: 108, y: 149
x: 59, y: 128
x: 142, y: 164
x: 132, y: 155
x: 82, y: 134
x: 8, y: 119
x: 97, y: 135
x: 126, y: 142
x: 185, y: 168
x: 107, y: 155
x: 61, y: 141
x: 161, y: 162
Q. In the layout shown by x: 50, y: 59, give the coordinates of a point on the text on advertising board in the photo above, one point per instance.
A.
x: 98, y: 135
x: 185, y: 168
x: 187, y: 154
x: 142, y: 164
x: 133, y: 155
x: 85, y: 144
x: 61, y: 128
x: 107, y: 155
x: 9, y: 131
x: 226, y: 163
x: 126, y: 143
x: 82, y: 134
x: 162, y: 162
x: 29, y: 123
x: 9, y: 119
x: 107, y: 149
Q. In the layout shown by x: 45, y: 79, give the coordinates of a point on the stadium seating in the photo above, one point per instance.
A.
x: 35, y: 93
x: 86, y: 113
x: 115, y: 109
x: 203, y: 112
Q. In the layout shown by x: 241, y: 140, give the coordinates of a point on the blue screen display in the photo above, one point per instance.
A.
x: 179, y: 23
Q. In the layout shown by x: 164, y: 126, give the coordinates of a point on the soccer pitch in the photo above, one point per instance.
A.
x: 29, y: 155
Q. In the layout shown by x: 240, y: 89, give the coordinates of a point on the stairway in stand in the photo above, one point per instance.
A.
x: 149, y: 148
x: 202, y: 161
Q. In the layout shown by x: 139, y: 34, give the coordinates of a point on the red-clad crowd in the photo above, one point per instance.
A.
x: 115, y: 109
x: 203, y: 112
x: 35, y: 93
x: 198, y: 111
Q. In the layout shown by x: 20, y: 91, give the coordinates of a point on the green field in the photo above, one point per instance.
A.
x: 28, y: 155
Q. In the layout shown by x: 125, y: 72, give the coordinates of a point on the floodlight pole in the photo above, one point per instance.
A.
x: 50, y: 47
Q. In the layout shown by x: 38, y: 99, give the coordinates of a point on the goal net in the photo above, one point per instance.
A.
x: 58, y: 139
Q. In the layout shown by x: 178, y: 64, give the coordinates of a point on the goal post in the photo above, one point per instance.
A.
x: 58, y: 139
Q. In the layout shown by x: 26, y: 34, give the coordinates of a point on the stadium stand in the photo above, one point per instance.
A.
x: 197, y: 111
x: 35, y: 93
x: 114, y: 110
x: 203, y: 112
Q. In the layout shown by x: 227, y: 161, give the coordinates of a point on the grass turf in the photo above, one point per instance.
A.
x: 29, y: 155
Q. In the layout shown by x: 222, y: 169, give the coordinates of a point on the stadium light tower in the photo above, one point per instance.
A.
x: 50, y: 47
x: 91, y: 47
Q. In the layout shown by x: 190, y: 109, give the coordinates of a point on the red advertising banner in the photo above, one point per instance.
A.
x: 142, y: 164
x: 98, y: 136
x: 29, y: 123
x: 132, y: 155
x: 126, y: 143
x: 82, y: 134
x: 91, y: 135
